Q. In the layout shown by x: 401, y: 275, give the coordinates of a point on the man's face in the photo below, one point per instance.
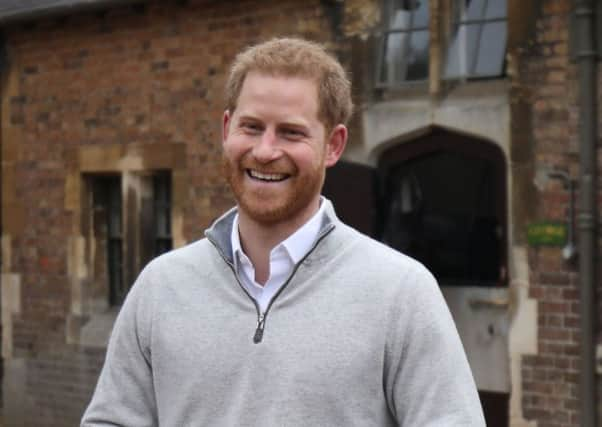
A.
x: 276, y: 149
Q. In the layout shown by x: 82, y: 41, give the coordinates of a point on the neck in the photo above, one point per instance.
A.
x: 258, y: 239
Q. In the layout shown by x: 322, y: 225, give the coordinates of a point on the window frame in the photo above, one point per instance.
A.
x: 126, y: 241
x: 442, y: 20
x: 456, y: 20
x: 386, y: 31
x: 114, y: 252
x: 90, y: 317
x: 162, y: 207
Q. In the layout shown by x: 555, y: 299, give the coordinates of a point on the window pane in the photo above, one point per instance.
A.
x: 409, y: 14
x: 400, y: 18
x: 406, y: 57
x: 162, y: 212
x: 496, y: 9
x: 421, y: 14
x: 452, y: 65
x: 107, y: 227
x: 461, y: 53
x: 491, y: 50
x: 396, y: 47
x: 405, y: 50
x: 163, y: 226
x: 115, y: 257
x: 418, y: 56
x: 114, y: 207
x: 475, y: 9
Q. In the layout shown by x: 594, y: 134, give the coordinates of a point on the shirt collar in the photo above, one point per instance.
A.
x: 300, y: 242
x: 297, y: 244
x: 235, y: 238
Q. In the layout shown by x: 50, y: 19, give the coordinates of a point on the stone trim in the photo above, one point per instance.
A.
x: 90, y: 320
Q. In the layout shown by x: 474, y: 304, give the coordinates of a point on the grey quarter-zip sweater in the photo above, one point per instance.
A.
x: 358, y: 336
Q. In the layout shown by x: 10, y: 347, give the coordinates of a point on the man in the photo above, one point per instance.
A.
x: 283, y: 315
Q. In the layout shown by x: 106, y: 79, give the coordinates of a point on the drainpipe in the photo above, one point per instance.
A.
x: 588, y: 217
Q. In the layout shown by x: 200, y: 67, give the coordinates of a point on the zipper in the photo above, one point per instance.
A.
x: 261, y: 317
x: 259, y: 331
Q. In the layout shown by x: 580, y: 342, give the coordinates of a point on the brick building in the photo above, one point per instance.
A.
x: 110, y: 130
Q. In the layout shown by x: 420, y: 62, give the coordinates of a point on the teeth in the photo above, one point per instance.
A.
x: 267, y: 176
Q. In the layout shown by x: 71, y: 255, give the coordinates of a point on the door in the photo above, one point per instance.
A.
x: 442, y: 200
x: 352, y: 188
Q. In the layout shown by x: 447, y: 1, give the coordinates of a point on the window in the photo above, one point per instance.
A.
x: 471, y: 42
x: 130, y: 223
x: 405, y: 43
x: 106, y: 220
x: 478, y: 41
x: 162, y: 213
x: 123, y: 199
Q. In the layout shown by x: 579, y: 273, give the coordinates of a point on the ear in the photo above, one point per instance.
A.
x: 226, y: 125
x: 335, y: 145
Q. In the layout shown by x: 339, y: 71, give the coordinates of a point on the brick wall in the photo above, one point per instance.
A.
x: 150, y: 74
x: 59, y: 385
x: 153, y: 75
x: 550, y: 379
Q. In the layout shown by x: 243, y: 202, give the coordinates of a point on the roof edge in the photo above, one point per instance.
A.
x: 59, y: 8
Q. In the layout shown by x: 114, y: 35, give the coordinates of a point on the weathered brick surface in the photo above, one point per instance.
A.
x: 154, y: 75
x: 60, y: 384
x: 550, y: 379
x: 150, y: 74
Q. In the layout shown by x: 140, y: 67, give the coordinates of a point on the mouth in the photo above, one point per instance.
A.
x: 266, y: 177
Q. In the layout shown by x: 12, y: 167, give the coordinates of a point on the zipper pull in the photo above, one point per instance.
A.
x: 259, y: 331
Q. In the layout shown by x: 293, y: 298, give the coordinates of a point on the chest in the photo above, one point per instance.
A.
x: 311, y: 343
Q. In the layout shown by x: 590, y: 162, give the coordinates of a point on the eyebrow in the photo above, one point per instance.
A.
x: 293, y: 124
x: 248, y: 117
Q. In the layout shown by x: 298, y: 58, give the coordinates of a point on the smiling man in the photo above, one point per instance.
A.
x: 276, y: 150
x: 283, y: 315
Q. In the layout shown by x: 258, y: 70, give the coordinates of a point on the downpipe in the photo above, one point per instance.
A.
x: 587, y: 217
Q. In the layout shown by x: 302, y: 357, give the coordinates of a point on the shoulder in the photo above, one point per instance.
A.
x: 180, y: 262
x: 176, y: 277
x: 405, y: 294
x: 376, y: 257
x: 184, y: 254
x: 364, y: 269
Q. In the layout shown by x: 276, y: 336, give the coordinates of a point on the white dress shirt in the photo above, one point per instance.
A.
x: 283, y: 258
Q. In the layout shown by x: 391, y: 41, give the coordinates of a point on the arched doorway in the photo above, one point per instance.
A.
x: 441, y: 198
x: 443, y: 201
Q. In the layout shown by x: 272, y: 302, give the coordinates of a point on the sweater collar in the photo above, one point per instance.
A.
x: 220, y: 231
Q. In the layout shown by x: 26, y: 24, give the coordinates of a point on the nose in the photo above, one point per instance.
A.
x: 266, y: 148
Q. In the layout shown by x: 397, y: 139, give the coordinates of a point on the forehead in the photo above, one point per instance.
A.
x: 287, y: 94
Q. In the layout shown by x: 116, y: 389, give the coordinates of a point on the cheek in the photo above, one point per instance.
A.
x: 310, y: 158
x: 233, y: 149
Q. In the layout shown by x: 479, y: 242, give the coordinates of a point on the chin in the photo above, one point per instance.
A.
x: 293, y: 204
x: 261, y: 211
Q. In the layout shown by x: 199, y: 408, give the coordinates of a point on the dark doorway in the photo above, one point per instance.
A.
x: 443, y: 203
x: 440, y: 198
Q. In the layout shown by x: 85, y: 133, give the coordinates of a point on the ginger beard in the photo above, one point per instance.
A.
x: 273, y: 203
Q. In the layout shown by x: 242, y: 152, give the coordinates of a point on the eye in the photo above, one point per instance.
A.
x: 292, y: 133
x: 251, y: 128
